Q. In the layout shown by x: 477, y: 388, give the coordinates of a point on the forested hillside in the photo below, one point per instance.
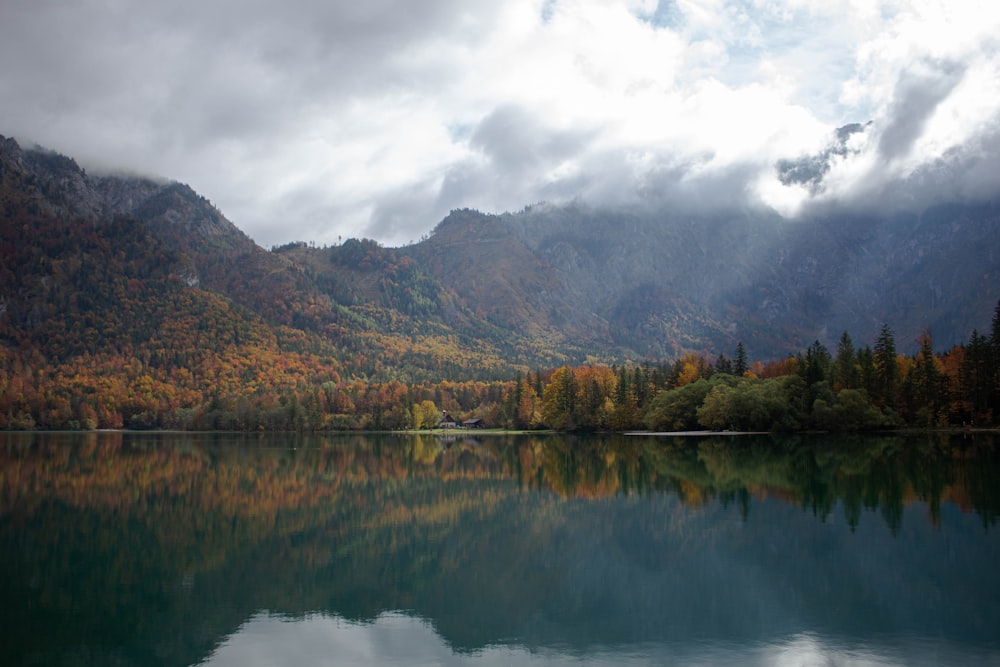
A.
x: 127, y: 302
x: 131, y: 302
x: 657, y: 284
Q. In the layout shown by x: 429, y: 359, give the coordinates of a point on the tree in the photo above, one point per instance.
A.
x: 559, y: 400
x: 740, y: 366
x: 723, y: 365
x: 816, y: 365
x: 677, y: 409
x: 715, y: 409
x: 845, y: 370
x: 886, y: 368
x: 925, y: 387
x: 976, y: 383
x: 691, y: 367
x: 425, y: 414
x: 995, y: 361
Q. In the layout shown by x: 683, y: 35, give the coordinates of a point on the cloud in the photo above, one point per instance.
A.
x: 309, y: 120
x: 917, y: 95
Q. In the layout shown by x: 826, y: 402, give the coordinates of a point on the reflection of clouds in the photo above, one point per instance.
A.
x: 398, y: 639
x: 323, y: 640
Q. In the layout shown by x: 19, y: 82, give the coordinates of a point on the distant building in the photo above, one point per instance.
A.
x: 446, y: 421
x: 473, y: 423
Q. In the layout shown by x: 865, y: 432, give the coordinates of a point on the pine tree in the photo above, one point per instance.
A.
x: 926, y: 385
x: 740, y: 366
x: 994, y: 361
x: 623, y: 387
x: 845, y: 370
x: 886, y: 368
x: 723, y: 365
x: 815, y: 366
x: 977, y: 386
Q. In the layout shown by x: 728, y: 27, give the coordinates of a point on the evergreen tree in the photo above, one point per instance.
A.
x: 995, y: 331
x: 866, y: 371
x: 976, y: 384
x: 995, y: 361
x: 886, y: 368
x: 640, y: 386
x: 740, y: 366
x: 816, y: 365
x: 845, y: 368
x: 723, y: 365
x: 925, y: 387
x: 623, y: 387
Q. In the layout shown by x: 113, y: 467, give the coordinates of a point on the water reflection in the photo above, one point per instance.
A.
x: 398, y: 639
x: 177, y: 549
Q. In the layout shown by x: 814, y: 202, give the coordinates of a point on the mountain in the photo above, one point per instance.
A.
x: 142, y: 289
x: 54, y: 214
x: 655, y: 285
x: 128, y: 301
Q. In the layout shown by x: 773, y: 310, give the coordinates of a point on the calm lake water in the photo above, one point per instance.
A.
x: 179, y: 549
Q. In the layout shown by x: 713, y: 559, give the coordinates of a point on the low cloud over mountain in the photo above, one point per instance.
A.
x: 315, y: 121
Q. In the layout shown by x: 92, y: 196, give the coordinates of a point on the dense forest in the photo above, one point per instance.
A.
x: 262, y: 387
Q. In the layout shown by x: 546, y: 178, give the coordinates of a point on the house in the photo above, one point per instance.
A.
x: 473, y: 423
x: 446, y: 421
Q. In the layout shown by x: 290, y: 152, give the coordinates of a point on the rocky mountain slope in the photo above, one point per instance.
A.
x: 659, y: 284
x: 546, y: 285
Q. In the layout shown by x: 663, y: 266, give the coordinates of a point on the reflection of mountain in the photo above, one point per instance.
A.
x: 151, y: 550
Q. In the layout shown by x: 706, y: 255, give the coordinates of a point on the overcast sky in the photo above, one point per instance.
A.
x: 315, y: 119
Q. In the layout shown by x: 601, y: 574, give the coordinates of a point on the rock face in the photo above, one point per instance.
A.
x: 172, y: 209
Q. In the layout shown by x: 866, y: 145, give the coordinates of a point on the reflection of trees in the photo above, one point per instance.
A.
x: 167, y: 524
x: 261, y: 481
x: 143, y: 531
x: 860, y: 472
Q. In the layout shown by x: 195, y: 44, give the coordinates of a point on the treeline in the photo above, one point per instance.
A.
x: 850, y: 389
x: 307, y: 480
x: 259, y: 385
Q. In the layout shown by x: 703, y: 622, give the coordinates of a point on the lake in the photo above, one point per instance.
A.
x: 218, y: 550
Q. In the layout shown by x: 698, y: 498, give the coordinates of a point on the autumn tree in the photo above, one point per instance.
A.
x: 559, y: 400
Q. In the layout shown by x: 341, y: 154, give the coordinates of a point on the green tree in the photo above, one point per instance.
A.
x: 677, y: 409
x: 740, y: 365
x: 714, y: 412
x: 994, y: 362
x: 976, y: 384
x: 926, y: 388
x: 723, y: 365
x: 886, y: 368
x: 852, y: 411
x: 816, y: 365
x: 845, y: 369
x: 866, y: 370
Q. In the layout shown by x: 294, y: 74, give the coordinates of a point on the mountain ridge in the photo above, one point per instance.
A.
x: 570, y: 282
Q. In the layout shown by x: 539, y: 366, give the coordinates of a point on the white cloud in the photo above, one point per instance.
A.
x: 312, y: 120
